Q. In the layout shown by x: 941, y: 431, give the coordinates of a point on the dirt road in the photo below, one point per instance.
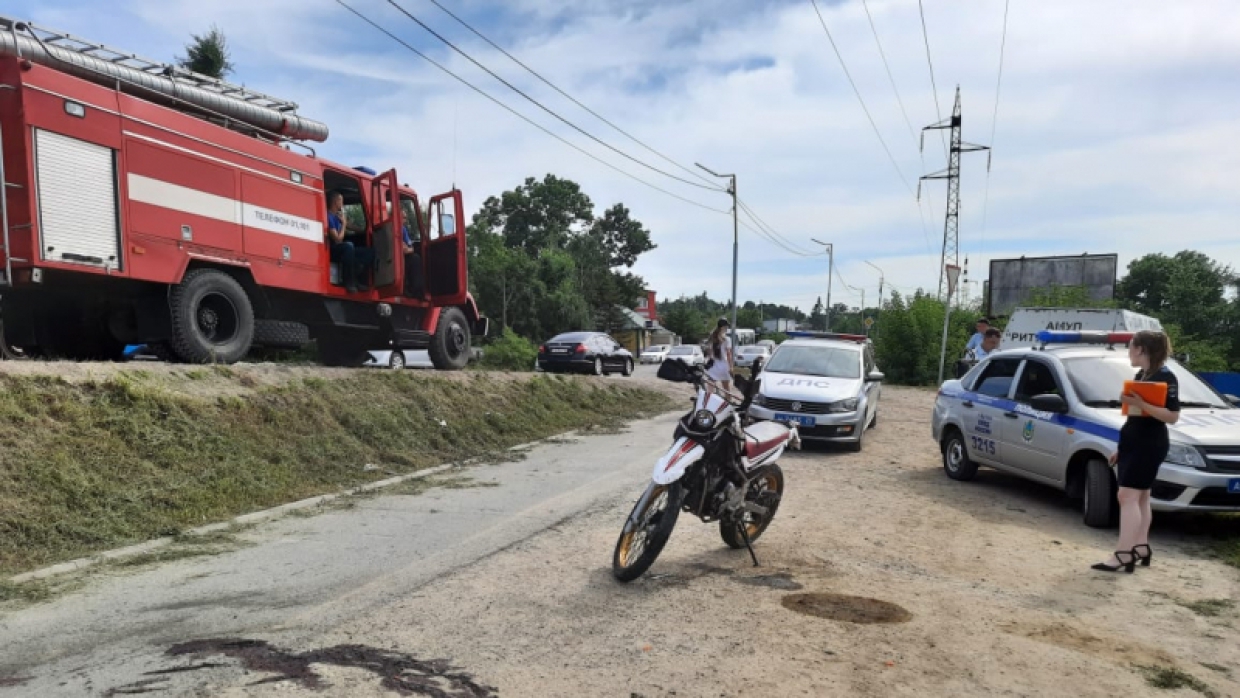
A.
x: 986, y: 585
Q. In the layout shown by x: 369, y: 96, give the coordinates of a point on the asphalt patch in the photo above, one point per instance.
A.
x: 849, y: 609
x: 779, y: 580
x: 398, y: 672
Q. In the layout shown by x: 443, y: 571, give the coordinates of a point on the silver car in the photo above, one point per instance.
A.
x: 1052, y: 415
x: 688, y: 353
x: 828, y: 387
x: 746, y: 355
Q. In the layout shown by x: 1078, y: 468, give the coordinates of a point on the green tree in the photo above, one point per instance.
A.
x: 908, y: 347
x: 749, y: 318
x: 613, y: 241
x: 1188, y: 290
x: 818, y: 316
x: 538, y: 215
x: 685, y: 321
x: 543, y: 264
x: 208, y: 55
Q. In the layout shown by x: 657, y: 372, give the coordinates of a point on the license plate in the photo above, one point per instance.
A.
x: 1233, y: 486
x: 795, y: 418
x: 559, y: 351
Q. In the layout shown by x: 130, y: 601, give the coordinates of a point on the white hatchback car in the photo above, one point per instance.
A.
x: 826, y: 384
x: 688, y: 353
x: 746, y: 355
x: 654, y: 354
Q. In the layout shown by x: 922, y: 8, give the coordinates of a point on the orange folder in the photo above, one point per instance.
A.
x: 1151, y: 392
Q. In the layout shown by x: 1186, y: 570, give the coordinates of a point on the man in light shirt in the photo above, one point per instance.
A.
x: 988, y: 346
x: 975, y: 341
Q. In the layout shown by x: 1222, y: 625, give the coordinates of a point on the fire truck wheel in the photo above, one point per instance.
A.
x: 278, y: 334
x: 212, y: 318
x: 449, y: 348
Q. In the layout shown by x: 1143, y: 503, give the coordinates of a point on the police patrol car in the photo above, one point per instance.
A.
x: 825, y: 383
x: 1051, y: 413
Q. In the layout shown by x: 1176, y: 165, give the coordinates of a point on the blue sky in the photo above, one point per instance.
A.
x: 1117, y: 130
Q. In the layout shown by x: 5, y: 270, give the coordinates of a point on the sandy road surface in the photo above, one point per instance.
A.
x: 992, y: 576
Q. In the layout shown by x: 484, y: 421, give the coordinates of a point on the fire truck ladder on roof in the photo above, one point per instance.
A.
x: 68, y: 42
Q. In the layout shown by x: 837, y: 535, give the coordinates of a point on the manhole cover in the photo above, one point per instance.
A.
x: 849, y: 609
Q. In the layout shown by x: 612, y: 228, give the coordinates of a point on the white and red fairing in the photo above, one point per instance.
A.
x: 764, y: 442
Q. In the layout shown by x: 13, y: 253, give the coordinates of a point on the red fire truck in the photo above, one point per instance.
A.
x: 147, y: 204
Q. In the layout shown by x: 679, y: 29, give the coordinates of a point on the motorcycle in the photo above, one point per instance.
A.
x: 721, y: 467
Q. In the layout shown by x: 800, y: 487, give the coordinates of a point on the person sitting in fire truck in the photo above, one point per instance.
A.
x: 353, y: 259
x: 414, y: 282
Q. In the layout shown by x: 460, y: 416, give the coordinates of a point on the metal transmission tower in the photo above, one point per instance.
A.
x: 951, y: 232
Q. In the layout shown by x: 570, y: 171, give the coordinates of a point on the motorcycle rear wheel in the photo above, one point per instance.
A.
x: 767, y: 489
x: 641, y: 542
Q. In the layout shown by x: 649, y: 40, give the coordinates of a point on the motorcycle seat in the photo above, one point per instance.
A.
x: 763, y: 437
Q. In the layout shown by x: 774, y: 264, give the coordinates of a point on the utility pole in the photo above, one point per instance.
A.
x: 951, y: 232
x: 880, y: 295
x: 735, y: 243
x: 830, y: 273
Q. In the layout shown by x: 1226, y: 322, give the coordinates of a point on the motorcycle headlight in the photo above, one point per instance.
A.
x: 849, y: 405
x: 1183, y: 454
x: 704, y: 420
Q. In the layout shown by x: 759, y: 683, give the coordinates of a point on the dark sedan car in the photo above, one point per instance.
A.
x: 589, y: 352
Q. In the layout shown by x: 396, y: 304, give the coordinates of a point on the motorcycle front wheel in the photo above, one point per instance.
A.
x: 767, y: 489
x: 646, y: 531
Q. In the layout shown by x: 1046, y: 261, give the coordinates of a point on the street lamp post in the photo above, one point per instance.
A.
x: 735, y: 242
x: 830, y: 273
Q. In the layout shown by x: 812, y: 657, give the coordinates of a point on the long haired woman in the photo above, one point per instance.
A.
x: 1143, y: 446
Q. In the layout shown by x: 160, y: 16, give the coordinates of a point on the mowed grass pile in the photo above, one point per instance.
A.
x: 88, y: 466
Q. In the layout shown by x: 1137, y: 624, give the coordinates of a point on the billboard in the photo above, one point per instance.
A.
x: 1012, y: 281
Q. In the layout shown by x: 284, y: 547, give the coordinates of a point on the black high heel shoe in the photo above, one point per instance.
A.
x: 1128, y: 566
x: 1143, y: 560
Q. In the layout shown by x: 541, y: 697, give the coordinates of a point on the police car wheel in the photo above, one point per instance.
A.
x: 1100, y: 506
x: 956, y: 462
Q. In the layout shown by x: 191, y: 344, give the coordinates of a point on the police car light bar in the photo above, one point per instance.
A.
x: 808, y: 334
x: 1053, y: 337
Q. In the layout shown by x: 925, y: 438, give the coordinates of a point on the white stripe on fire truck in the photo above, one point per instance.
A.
x: 221, y: 208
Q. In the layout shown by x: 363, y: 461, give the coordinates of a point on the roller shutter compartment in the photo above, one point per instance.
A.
x: 76, y: 184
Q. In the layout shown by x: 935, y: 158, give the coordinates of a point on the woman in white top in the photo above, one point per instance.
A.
x: 719, y: 348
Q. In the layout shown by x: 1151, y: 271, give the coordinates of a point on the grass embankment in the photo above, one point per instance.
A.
x: 86, y: 466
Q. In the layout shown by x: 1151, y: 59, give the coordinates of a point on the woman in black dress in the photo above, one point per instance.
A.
x: 1143, y: 446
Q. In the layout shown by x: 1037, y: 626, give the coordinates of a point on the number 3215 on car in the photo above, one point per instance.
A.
x: 983, y: 445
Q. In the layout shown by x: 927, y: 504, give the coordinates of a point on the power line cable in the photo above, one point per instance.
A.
x: 912, y: 131
x: 543, y: 107
x: 860, y: 99
x: 873, y: 125
x: 521, y: 116
x: 994, y: 120
x: 770, y: 229
x: 569, y: 97
x: 933, y: 87
x: 900, y: 101
x: 773, y: 240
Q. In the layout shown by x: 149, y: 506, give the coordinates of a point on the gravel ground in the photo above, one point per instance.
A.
x: 989, y: 582
x: 975, y: 589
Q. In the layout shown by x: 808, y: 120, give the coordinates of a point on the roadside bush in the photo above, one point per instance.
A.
x: 908, y: 346
x: 510, y: 352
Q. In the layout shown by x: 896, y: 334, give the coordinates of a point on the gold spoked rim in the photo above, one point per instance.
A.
x: 768, y: 483
x: 633, y: 543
